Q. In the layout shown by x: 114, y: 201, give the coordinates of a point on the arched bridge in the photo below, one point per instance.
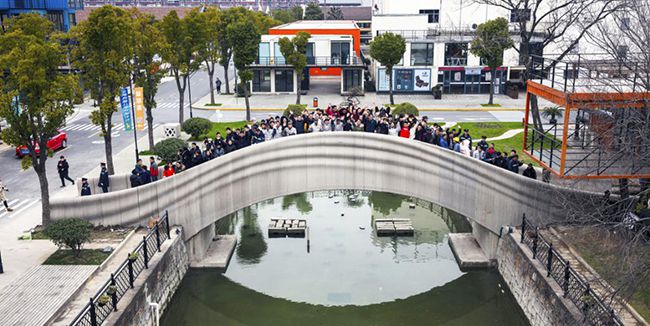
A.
x: 489, y: 196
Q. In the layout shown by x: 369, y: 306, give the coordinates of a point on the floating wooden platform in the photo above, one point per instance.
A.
x: 287, y: 227
x: 395, y: 226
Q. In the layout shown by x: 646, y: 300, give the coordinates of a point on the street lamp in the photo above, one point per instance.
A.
x: 189, y: 89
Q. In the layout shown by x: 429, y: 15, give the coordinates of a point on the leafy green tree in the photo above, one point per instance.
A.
x: 335, y: 13
x: 295, y: 53
x: 287, y: 15
x: 104, y: 55
x: 492, y: 39
x: 245, y: 52
x: 148, y: 42
x: 313, y: 11
x: 71, y: 233
x: 226, y: 40
x: 388, y: 49
x: 35, y: 98
x: 183, y: 38
x: 210, y: 51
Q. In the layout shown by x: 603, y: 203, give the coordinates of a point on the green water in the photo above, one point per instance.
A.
x: 347, y: 275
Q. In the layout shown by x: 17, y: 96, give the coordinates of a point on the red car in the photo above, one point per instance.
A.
x: 57, y: 142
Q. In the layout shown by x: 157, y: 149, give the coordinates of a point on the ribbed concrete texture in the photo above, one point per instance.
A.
x: 488, y: 195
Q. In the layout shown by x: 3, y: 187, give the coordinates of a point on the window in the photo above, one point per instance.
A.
x: 456, y: 54
x: 351, y: 79
x: 434, y: 15
x: 284, y: 80
x: 340, y: 52
x: 422, y: 54
x: 72, y: 19
x: 519, y: 15
x: 261, y: 80
x: 56, y: 17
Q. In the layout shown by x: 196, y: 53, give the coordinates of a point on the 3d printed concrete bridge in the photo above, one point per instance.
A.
x: 489, y: 196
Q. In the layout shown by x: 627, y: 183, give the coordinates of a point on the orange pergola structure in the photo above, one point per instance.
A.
x: 604, y: 131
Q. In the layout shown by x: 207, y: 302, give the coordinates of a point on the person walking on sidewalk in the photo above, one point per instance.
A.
x: 3, y: 197
x: 218, y: 84
x: 63, y: 168
x: 103, y: 178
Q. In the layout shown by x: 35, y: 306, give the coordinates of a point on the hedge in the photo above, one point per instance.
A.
x: 405, y: 109
x: 295, y: 109
x: 166, y: 149
x: 196, y: 126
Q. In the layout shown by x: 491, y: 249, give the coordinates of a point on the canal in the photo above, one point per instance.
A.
x: 344, y: 274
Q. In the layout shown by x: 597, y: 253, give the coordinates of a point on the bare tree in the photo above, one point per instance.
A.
x: 561, y: 23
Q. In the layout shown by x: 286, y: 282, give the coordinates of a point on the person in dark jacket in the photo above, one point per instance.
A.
x: 63, y: 167
x: 230, y: 147
x: 134, y: 178
x: 103, y: 178
x: 514, y: 164
x: 530, y: 172
x: 85, y: 188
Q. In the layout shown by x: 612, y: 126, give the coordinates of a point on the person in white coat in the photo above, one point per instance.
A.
x: 3, y: 196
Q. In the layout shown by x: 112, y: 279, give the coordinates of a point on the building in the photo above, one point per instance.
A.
x: 438, y: 34
x: 61, y: 12
x: 333, y: 50
x: 261, y: 5
x: 362, y: 16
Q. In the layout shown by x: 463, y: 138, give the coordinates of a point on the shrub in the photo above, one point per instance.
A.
x: 406, y: 109
x: 71, y: 233
x: 295, y: 109
x: 166, y: 149
x: 196, y: 126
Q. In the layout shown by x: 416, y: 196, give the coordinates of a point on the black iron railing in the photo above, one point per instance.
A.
x: 98, y: 308
x: 574, y: 286
x: 332, y: 61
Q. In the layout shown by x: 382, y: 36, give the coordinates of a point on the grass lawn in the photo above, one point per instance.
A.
x: 488, y: 129
x: 221, y: 128
x: 87, y: 257
x: 595, y: 248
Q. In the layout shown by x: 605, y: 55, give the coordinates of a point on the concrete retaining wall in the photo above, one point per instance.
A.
x: 488, y: 195
x: 158, y: 284
x: 539, y: 297
x: 116, y: 182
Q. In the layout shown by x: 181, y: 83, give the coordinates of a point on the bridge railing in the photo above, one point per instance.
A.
x: 594, y: 309
x: 105, y: 300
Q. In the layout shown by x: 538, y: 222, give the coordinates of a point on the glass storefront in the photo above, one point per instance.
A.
x: 284, y: 80
x: 261, y: 80
x: 352, y: 79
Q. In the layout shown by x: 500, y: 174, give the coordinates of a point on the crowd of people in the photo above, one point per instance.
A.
x: 375, y: 120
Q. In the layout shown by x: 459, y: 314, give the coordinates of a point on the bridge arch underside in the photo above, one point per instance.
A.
x: 487, y: 195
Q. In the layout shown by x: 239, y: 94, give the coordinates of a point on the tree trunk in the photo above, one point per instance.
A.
x: 534, y: 112
x: 181, y: 95
x: 225, y: 76
x: 390, y: 86
x: 211, y: 77
x: 493, y: 73
x: 150, y: 128
x: 248, y: 106
x: 45, y: 194
x: 108, y: 146
x: 298, y: 79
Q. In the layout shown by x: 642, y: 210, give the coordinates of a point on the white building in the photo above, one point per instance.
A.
x: 438, y: 34
x: 333, y: 51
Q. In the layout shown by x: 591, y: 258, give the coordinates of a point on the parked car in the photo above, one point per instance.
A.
x: 59, y: 141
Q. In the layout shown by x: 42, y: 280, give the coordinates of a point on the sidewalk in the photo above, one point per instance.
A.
x: 278, y: 102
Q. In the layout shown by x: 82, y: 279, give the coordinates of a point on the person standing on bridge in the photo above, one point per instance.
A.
x: 3, y: 197
x: 85, y: 187
x: 63, y: 167
x: 103, y: 178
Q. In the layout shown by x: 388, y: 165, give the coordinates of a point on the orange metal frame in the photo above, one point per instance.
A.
x: 572, y: 101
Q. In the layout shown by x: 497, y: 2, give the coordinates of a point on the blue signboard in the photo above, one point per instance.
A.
x: 126, y: 109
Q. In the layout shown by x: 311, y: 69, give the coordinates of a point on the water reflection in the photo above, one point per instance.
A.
x: 347, y: 262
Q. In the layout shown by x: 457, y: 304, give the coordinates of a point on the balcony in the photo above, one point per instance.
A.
x: 446, y: 34
x: 312, y: 62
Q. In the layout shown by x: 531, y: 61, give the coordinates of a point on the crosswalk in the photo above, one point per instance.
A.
x: 91, y: 127
x: 171, y: 105
x: 18, y: 205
